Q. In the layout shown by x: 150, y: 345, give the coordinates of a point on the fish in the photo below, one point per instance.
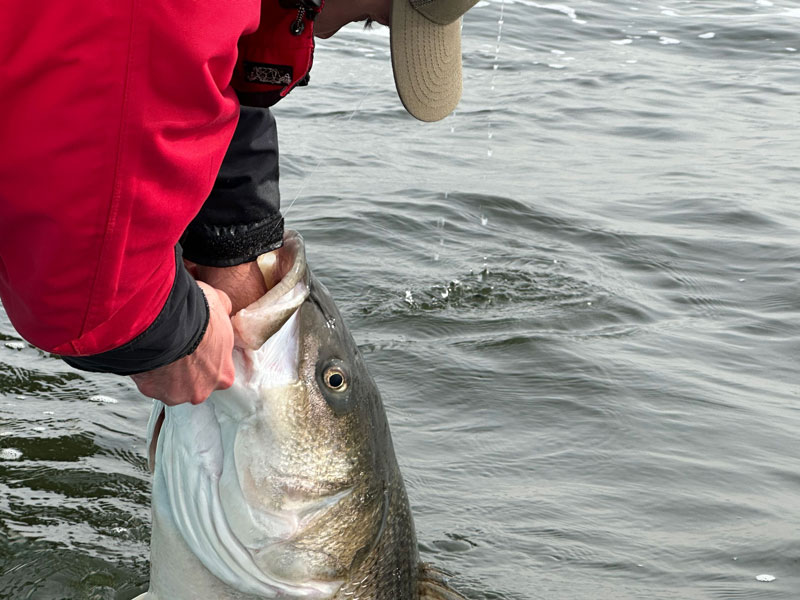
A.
x: 285, y: 485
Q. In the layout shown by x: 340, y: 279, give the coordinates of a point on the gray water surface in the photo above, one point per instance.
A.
x: 579, y: 295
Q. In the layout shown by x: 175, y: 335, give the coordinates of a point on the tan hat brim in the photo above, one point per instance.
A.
x: 426, y: 60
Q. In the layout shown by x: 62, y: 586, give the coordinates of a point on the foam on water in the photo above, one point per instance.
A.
x: 10, y: 454
x: 102, y: 399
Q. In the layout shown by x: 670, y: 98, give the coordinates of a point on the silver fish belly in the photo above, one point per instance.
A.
x: 286, y: 485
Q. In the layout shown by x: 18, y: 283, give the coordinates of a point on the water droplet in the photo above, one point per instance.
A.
x: 409, y: 299
x: 484, y: 220
x: 489, y: 153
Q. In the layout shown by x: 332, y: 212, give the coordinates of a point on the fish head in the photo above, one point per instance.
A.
x: 305, y: 453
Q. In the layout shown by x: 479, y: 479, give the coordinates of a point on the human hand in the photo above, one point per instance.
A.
x: 243, y: 283
x: 210, y: 367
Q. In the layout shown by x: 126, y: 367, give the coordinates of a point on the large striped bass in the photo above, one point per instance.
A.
x: 285, y: 485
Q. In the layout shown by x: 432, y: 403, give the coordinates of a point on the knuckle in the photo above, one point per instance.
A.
x: 199, y: 396
x: 226, y: 381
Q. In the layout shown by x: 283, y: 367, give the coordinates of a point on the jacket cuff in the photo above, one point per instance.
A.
x: 227, y: 246
x: 175, y: 333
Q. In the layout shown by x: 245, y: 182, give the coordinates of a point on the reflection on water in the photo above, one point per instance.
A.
x: 578, y: 296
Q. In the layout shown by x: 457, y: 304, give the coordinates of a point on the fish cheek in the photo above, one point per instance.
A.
x: 334, y: 542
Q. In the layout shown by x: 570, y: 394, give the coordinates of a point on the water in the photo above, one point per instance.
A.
x: 580, y: 296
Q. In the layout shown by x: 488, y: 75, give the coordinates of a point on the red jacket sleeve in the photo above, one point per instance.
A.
x: 116, y: 117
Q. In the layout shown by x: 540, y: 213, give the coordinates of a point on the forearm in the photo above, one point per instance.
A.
x: 241, y: 218
x: 238, y: 222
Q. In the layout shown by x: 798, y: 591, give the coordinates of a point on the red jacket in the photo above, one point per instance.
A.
x: 116, y: 117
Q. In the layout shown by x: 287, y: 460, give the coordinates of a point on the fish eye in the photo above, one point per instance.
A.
x: 334, y: 378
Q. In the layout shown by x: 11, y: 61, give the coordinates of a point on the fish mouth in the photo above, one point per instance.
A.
x: 286, y: 276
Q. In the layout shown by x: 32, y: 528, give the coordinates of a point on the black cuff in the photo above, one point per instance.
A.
x: 227, y: 246
x: 175, y: 333
x: 241, y: 218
